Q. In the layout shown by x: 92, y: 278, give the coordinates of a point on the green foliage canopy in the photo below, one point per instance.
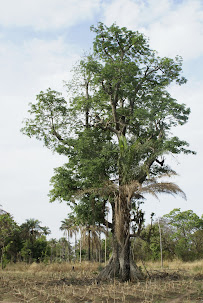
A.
x: 121, y: 93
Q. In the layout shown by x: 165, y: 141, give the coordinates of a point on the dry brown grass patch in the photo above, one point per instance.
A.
x: 58, y: 283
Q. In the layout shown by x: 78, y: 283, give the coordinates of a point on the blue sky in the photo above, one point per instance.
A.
x: 40, y: 40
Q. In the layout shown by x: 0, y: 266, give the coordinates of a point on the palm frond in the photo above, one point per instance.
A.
x: 163, y: 187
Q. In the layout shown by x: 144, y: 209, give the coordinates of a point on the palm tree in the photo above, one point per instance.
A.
x: 53, y: 243
x: 65, y: 227
x: 91, y: 237
x: 70, y: 228
x: 32, y: 229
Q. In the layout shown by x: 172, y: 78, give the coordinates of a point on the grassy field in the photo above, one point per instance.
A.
x: 56, y: 283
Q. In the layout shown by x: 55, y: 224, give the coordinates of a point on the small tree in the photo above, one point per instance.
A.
x: 147, y: 245
x: 197, y: 244
x: 182, y: 237
x: 185, y: 228
x: 32, y: 230
x: 70, y: 228
x: 34, y: 242
x: 7, y: 228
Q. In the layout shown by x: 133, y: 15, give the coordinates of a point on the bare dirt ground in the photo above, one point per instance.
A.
x: 39, y: 285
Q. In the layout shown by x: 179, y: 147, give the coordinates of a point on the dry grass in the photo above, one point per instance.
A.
x: 177, y: 265
x: 57, y: 283
x: 53, y: 267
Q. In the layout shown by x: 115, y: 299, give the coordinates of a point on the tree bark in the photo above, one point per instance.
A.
x: 121, y: 264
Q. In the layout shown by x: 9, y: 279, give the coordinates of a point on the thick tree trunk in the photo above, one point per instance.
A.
x: 121, y: 264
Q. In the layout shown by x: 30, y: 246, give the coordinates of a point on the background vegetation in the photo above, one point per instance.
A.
x: 181, y: 238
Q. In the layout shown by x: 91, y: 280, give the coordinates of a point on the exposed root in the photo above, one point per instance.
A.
x: 113, y: 270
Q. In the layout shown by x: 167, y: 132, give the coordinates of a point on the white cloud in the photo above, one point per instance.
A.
x: 46, y: 14
x: 172, y: 28
x: 25, y: 174
x: 191, y: 95
x: 133, y: 14
x: 180, y: 32
x: 35, y: 65
x: 123, y: 12
x: 26, y: 166
x: 50, y: 61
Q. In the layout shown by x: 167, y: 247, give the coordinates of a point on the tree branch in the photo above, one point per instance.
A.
x: 54, y: 132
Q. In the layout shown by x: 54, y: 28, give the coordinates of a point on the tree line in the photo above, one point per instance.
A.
x: 28, y: 242
x: 181, y: 237
x: 179, y: 233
